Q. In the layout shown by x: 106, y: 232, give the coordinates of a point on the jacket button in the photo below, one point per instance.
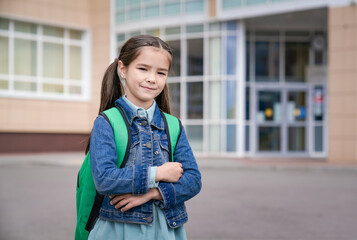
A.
x: 143, y: 123
x: 148, y: 219
x: 156, y: 152
x: 148, y: 145
x: 174, y: 223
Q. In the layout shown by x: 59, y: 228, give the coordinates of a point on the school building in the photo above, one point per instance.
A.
x: 250, y: 78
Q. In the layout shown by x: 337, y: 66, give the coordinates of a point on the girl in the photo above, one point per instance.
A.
x: 145, y: 199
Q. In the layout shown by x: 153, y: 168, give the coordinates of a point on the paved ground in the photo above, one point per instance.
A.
x: 270, y: 200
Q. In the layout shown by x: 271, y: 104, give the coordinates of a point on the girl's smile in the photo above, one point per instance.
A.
x: 146, y: 75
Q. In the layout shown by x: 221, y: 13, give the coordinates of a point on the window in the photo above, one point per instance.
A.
x: 46, y: 61
x: 297, y: 58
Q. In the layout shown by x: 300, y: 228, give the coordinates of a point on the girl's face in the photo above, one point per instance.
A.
x: 146, y: 75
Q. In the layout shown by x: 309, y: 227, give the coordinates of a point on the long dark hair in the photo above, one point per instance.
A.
x: 112, y: 87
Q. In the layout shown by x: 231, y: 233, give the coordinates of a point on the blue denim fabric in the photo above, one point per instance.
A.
x: 149, y: 147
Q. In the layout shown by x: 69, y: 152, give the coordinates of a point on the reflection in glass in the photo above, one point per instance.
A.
x: 175, y: 64
x: 25, y: 86
x: 195, y: 57
x: 269, y: 107
x: 53, y: 60
x: 247, y: 62
x: 152, y: 11
x: 215, y: 56
x: 296, y: 60
x: 4, y: 56
x: 254, y: 2
x: 231, y: 53
x: 174, y: 89
x: 135, y: 14
x: 230, y: 3
x: 214, y: 138
x: 296, y: 106
x: 247, y: 103
x: 318, y: 103
x: 75, y: 60
x: 231, y: 91
x: 4, y: 23
x: 266, y: 62
x: 172, y: 8
x: 25, y: 27
x: 74, y: 34
x: 195, y: 137
x: 195, y: 100
x: 4, y: 84
x: 53, y: 31
x: 231, y: 138
x: 52, y: 88
x: 247, y: 138
x: 214, y: 100
x: 25, y: 57
x: 319, y: 138
x: 120, y: 17
x: 269, y: 138
x: 194, y: 6
x: 296, y: 140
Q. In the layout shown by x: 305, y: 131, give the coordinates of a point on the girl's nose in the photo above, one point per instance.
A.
x: 151, y: 77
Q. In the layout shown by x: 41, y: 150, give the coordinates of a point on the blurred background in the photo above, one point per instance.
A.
x: 250, y: 78
x: 266, y: 90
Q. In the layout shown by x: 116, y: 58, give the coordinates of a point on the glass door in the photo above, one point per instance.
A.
x: 281, y: 121
x: 268, y: 119
x: 296, y: 121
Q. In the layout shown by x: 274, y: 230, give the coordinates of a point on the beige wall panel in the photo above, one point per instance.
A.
x: 342, y: 17
x: 342, y: 105
x: 344, y: 82
x: 64, y: 11
x: 343, y: 38
x: 100, y: 22
x: 345, y: 59
x: 342, y: 151
x: 343, y: 127
x: 342, y: 92
x: 20, y: 115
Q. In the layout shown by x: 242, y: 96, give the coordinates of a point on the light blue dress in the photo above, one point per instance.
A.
x: 158, y: 230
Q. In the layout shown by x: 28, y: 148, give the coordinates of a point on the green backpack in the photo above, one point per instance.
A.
x: 88, y: 200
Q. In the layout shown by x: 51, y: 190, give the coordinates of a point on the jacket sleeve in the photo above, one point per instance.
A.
x: 108, y: 178
x: 190, y: 182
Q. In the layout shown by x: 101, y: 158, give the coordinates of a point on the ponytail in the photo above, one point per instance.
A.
x: 112, y: 89
x: 163, y: 100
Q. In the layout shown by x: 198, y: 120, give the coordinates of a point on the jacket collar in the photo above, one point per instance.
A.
x: 157, y: 121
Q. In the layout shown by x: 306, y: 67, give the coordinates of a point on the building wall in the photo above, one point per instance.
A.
x: 342, y: 91
x: 26, y: 115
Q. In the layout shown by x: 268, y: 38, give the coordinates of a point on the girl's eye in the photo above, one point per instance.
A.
x: 142, y: 69
x: 162, y: 73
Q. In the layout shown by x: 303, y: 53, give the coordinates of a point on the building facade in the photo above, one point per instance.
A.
x: 250, y: 78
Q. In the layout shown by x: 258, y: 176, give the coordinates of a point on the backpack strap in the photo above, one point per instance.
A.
x: 173, y: 129
x: 116, y: 118
x: 122, y: 138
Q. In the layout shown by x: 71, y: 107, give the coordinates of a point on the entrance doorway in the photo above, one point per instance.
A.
x: 281, y: 118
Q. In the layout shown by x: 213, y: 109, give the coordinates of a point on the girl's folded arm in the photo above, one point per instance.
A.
x: 108, y: 178
x: 189, y: 184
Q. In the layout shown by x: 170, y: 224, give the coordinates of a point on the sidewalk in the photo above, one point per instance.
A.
x: 76, y: 159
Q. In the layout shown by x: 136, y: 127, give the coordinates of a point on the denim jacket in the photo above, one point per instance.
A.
x: 149, y: 147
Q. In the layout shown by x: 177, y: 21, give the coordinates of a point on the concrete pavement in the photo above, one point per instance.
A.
x: 240, y: 199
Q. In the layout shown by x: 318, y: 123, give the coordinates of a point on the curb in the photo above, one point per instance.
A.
x: 75, y: 159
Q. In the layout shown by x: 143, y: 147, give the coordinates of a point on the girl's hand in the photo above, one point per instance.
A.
x: 169, y: 172
x: 127, y: 201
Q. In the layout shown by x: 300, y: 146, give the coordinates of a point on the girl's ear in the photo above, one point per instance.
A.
x: 122, y: 69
